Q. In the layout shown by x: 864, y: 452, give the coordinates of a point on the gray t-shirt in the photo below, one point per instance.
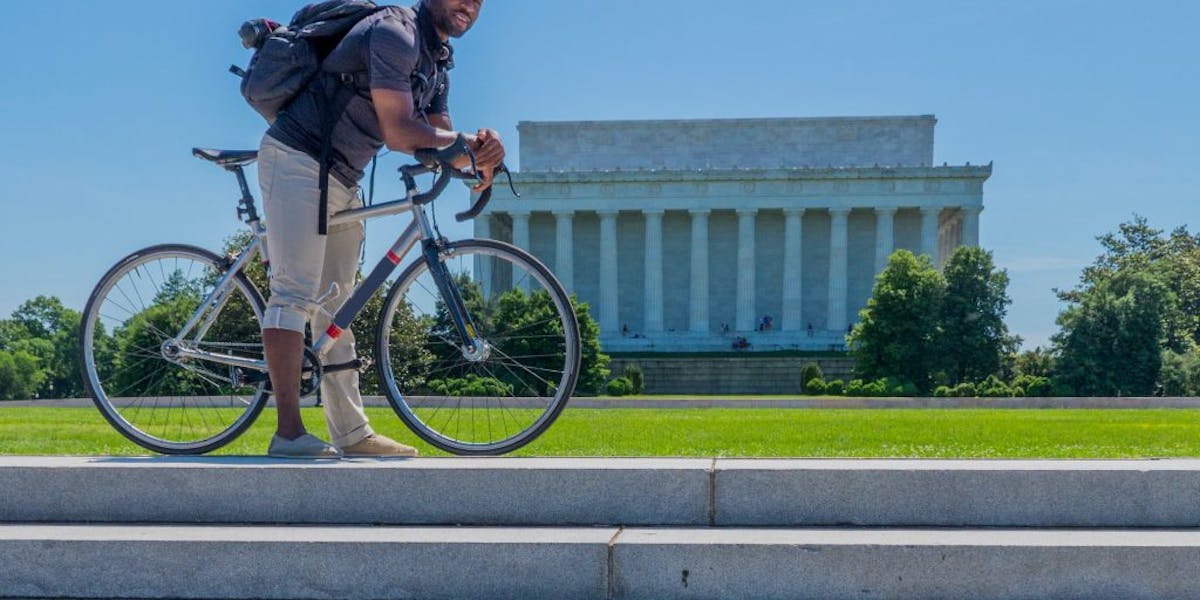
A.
x: 397, y: 51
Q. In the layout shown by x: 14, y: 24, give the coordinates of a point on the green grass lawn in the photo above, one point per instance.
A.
x: 950, y: 433
x: 720, y: 397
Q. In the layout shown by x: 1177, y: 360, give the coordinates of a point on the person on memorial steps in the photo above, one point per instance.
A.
x: 405, y: 55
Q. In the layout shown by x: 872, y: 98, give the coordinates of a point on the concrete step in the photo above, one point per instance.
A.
x: 217, y: 562
x: 603, y: 491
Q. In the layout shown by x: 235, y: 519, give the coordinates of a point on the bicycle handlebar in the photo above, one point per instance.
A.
x: 441, y: 162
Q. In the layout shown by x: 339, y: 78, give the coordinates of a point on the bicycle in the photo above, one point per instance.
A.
x: 477, y: 349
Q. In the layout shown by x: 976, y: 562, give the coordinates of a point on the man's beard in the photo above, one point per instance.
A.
x: 445, y: 23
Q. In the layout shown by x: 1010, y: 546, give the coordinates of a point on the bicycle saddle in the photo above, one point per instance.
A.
x: 226, y: 158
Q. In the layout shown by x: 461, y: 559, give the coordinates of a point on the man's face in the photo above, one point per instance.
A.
x: 454, y: 17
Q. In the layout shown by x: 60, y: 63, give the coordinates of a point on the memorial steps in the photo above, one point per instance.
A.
x: 243, y: 527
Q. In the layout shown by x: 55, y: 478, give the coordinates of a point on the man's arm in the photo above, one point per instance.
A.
x: 441, y: 121
x: 403, y: 132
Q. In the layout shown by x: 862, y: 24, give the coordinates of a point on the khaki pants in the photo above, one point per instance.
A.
x: 303, y: 267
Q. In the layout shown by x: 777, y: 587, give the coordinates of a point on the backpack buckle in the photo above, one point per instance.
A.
x: 346, y: 78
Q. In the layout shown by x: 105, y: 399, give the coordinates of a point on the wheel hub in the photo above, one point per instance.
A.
x: 478, y: 351
x: 171, y: 350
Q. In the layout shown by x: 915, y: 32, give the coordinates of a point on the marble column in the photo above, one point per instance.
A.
x: 970, y: 235
x: 520, y: 239
x: 698, y: 305
x: 885, y: 236
x: 745, y: 318
x: 608, y: 272
x: 839, y: 264
x: 793, y: 258
x: 564, y: 254
x: 929, y: 232
x: 653, y: 282
x: 483, y: 264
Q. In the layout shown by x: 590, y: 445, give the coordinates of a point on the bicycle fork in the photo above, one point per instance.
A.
x: 473, y: 348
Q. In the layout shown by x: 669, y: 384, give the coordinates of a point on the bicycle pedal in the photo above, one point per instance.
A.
x: 358, y: 364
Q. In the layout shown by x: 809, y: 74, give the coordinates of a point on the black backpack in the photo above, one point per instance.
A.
x: 288, y: 58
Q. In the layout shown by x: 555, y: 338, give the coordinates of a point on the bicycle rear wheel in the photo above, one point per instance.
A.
x: 489, y: 400
x: 172, y: 405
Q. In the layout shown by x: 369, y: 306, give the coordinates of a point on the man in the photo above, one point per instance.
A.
x: 404, y: 53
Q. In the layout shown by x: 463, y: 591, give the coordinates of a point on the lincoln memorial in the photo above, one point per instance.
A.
x: 687, y: 235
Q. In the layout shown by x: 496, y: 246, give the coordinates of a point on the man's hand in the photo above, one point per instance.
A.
x: 489, y: 153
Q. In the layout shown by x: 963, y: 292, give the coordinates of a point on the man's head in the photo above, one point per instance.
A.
x: 452, y: 18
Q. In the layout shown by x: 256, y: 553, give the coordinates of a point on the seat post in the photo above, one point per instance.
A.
x: 246, y: 204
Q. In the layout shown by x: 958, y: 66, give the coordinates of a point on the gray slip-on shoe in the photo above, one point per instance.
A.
x: 305, y: 446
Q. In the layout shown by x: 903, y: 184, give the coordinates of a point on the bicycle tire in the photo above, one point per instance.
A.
x: 401, y: 389
x: 95, y: 325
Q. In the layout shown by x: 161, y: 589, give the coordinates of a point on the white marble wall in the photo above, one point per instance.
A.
x: 726, y: 143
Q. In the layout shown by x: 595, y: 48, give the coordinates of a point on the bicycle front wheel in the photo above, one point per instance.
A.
x: 132, y: 323
x: 479, y: 400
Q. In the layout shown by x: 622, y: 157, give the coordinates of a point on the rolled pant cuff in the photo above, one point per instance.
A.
x: 282, y: 317
x: 354, y: 437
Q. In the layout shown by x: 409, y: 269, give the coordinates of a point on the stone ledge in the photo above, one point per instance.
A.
x: 476, y: 491
x: 606, y: 492
x: 906, y: 564
x: 498, y: 563
x: 302, y: 562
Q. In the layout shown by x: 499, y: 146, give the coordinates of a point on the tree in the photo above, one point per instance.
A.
x: 1038, y: 362
x: 255, y: 269
x: 1140, y: 297
x: 48, y: 331
x: 897, y: 332
x: 1180, y: 375
x: 1111, y: 338
x: 1174, y: 260
x: 973, y: 337
x: 20, y: 375
x: 593, y: 369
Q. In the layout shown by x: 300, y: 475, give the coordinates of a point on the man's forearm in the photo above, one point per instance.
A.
x: 411, y: 135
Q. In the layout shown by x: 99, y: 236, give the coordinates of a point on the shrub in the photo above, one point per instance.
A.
x: 993, y: 387
x: 1033, y: 385
x: 835, y: 388
x: 965, y: 389
x: 909, y: 389
x: 810, y: 372
x: 620, y: 386
x: 815, y: 387
x: 471, y: 385
x: 855, y: 387
x: 876, y: 389
x: 636, y: 378
x: 942, y: 391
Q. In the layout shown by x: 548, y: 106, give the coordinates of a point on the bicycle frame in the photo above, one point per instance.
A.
x: 419, y: 230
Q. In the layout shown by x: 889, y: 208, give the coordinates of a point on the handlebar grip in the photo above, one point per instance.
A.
x: 476, y: 208
x: 427, y: 157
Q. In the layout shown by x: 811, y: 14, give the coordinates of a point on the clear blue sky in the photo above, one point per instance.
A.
x: 1089, y: 110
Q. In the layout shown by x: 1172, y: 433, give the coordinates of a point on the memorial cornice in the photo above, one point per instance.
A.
x: 710, y: 189
x: 781, y: 174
